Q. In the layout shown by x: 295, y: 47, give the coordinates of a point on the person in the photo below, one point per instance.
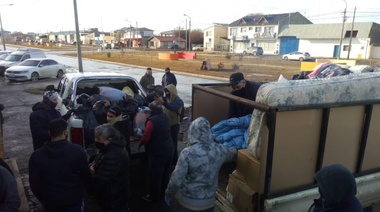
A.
x: 168, y: 78
x: 115, y: 117
x: 158, y: 145
x: 9, y: 196
x: 173, y: 105
x: 337, y: 189
x: 58, y: 171
x: 110, y: 170
x: 42, y: 114
x: 195, y: 178
x: 241, y: 88
x: 147, y: 79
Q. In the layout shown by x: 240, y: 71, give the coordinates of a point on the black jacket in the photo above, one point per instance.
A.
x: 57, y: 172
x: 111, y: 180
x: 249, y: 92
x: 160, y: 141
x: 169, y: 78
x: 39, y: 121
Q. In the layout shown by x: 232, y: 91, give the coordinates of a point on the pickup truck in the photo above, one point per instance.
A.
x: 298, y: 127
x: 75, y: 84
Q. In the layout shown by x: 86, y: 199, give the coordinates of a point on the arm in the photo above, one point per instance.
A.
x: 174, y: 106
x: 147, y: 133
x: 178, y: 176
x: 108, y: 168
x: 174, y: 80
x: 35, y: 179
x: 38, y: 128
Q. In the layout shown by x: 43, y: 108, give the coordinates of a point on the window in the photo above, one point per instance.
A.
x: 208, y: 33
x: 348, y: 34
x: 243, y: 29
x: 346, y: 48
x: 250, y: 28
x: 233, y: 31
x: 258, y: 29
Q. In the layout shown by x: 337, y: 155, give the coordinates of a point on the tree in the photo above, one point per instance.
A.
x: 197, y: 36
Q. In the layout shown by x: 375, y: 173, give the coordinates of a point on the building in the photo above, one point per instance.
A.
x: 165, y: 42
x: 215, y: 38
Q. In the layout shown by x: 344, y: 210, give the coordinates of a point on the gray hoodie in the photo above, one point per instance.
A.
x: 196, y: 173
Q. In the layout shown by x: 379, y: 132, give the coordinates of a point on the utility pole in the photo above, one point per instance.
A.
x: 78, y: 41
x: 341, y: 35
x: 352, y: 30
x: 189, y: 31
x: 186, y: 35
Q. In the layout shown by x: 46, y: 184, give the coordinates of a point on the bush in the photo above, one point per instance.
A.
x: 220, y: 66
x: 235, y: 67
x: 108, y: 54
x: 228, y: 56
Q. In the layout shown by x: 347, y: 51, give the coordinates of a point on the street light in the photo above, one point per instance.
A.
x: 130, y: 31
x: 189, y: 31
x: 1, y: 25
x: 179, y: 34
x: 79, y: 52
x: 341, y: 35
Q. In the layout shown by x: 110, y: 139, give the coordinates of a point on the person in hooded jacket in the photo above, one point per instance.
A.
x: 168, y: 78
x: 194, y: 180
x: 158, y: 145
x: 115, y: 117
x: 43, y: 113
x: 337, y: 189
x: 173, y: 105
x: 9, y: 196
x: 110, y: 170
x: 58, y: 171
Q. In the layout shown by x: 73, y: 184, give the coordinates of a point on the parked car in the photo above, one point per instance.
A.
x: 301, y: 56
x: 198, y: 47
x: 3, y: 56
x: 254, y: 50
x: 18, y: 56
x: 174, y: 46
x: 108, y: 46
x: 34, y: 69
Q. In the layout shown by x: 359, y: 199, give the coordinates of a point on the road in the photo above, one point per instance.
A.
x: 18, y: 104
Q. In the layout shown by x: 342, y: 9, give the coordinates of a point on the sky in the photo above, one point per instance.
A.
x: 42, y: 16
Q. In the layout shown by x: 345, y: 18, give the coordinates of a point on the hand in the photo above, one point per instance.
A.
x: 167, y: 200
x: 92, y: 170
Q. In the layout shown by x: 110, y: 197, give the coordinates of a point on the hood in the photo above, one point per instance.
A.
x: 56, y: 149
x: 173, y: 91
x: 21, y: 68
x: 40, y: 106
x: 199, y: 131
x: 337, y: 184
x: 7, y: 63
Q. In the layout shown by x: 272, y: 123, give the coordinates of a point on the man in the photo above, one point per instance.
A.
x: 195, y: 178
x: 120, y: 123
x: 173, y: 107
x: 147, y: 79
x: 158, y: 145
x: 58, y: 170
x: 110, y: 170
x: 168, y: 78
x: 337, y: 189
x: 245, y: 89
x: 43, y: 113
x: 9, y: 196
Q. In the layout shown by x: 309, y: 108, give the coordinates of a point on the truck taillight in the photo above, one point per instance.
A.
x: 77, y: 136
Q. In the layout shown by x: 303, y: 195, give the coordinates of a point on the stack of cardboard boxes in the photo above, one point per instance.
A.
x: 243, y: 184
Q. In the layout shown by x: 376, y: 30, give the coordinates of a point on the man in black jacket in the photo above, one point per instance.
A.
x: 245, y: 89
x: 110, y: 170
x: 168, y: 78
x: 58, y: 170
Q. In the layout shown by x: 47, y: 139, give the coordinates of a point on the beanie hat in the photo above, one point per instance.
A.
x: 50, y: 96
x: 116, y: 110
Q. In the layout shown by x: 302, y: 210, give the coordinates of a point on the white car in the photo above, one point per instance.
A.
x: 197, y: 48
x: 34, y: 69
x: 301, y: 56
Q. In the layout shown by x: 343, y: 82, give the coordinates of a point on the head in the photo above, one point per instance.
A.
x: 128, y: 91
x: 58, y: 129
x: 237, y: 81
x: 170, y: 91
x: 150, y: 89
x: 104, y: 134
x: 167, y: 70
x: 50, y: 98
x: 114, y: 114
x: 155, y: 107
x: 199, y: 131
x: 336, y: 184
x: 149, y: 71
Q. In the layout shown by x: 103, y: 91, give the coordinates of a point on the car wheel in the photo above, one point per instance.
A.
x: 285, y: 58
x: 59, y: 73
x: 301, y: 59
x: 34, y: 76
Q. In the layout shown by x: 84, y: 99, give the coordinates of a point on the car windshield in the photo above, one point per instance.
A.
x: 29, y: 63
x: 3, y: 56
x: 13, y: 57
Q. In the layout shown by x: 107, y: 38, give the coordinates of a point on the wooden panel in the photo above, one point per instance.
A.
x: 372, y: 156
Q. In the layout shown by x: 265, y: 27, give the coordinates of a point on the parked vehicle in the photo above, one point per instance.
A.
x: 292, y: 136
x: 18, y: 56
x: 35, y: 69
x: 74, y: 85
x: 254, y: 50
x: 301, y: 56
x: 174, y: 46
x: 108, y: 46
x: 3, y: 56
x: 198, y: 47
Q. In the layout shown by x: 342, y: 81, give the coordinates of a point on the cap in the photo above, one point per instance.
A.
x: 115, y: 110
x: 235, y: 78
x: 50, y: 95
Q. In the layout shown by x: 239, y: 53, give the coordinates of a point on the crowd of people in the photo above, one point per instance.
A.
x: 64, y: 177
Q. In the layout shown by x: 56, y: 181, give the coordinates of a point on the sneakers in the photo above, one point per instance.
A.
x: 147, y: 198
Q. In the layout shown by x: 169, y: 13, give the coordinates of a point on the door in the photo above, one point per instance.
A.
x: 336, y: 51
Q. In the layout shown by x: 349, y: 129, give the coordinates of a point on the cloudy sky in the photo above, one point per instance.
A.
x: 43, y: 16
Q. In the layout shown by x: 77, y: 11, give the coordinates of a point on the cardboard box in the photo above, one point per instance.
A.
x: 240, y: 195
x: 248, y: 169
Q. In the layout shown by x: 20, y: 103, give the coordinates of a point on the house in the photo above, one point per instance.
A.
x: 165, y: 42
x: 137, y: 37
x: 323, y: 40
x: 215, y: 38
x: 261, y: 30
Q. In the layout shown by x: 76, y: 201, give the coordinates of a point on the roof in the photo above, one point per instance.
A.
x: 96, y: 75
x: 326, y: 31
x: 269, y: 19
x: 166, y: 38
